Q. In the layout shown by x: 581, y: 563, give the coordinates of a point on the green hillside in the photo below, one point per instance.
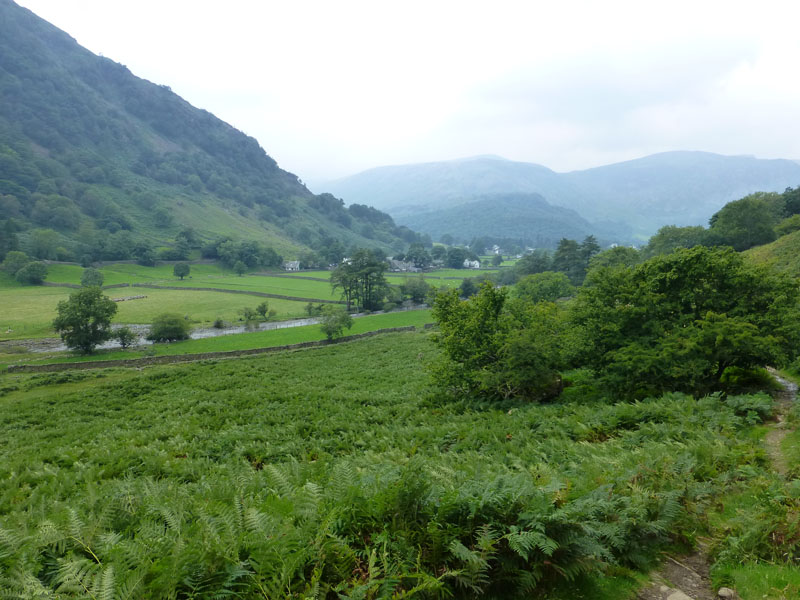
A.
x: 783, y: 254
x: 108, y: 161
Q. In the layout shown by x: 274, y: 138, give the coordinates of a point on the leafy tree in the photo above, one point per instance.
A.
x: 335, y: 319
x: 168, y: 327
x: 263, y: 309
x: 438, y: 252
x: 589, y: 247
x: 91, y: 277
x: 569, y: 258
x: 748, y: 222
x: 181, y: 270
x: 240, y: 268
x: 619, y: 256
x: 415, y: 289
x: 418, y: 255
x: 468, y: 287
x: 468, y: 337
x: 126, y: 337
x: 32, y: 273
x: 43, y: 244
x: 14, y: 261
x: 677, y: 321
x: 537, y: 261
x: 788, y: 225
x: 361, y: 280
x: 669, y: 238
x: 544, y: 287
x: 497, y: 260
x: 455, y: 258
x: 84, y: 320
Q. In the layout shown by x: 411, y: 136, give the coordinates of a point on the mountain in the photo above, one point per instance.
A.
x: 91, y: 151
x: 527, y: 218
x: 671, y: 188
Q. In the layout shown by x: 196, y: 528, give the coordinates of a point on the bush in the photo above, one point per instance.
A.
x: 91, y: 277
x: 126, y: 337
x: 168, y: 327
x: 14, y: 261
x: 32, y: 273
x: 334, y: 320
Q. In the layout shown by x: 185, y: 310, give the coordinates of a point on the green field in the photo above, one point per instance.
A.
x: 242, y: 341
x: 338, y: 467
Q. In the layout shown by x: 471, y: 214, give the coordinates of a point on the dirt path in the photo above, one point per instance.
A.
x: 779, y: 429
x: 687, y: 577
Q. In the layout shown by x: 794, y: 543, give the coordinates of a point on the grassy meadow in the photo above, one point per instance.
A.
x: 339, y: 471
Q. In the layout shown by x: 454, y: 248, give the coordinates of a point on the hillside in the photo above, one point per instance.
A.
x: 672, y: 188
x: 783, y: 254
x: 525, y: 217
x: 89, y: 149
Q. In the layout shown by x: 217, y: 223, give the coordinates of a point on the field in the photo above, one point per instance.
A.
x: 339, y: 468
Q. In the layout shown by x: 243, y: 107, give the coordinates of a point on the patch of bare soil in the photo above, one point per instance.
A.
x: 684, y: 578
x: 779, y: 429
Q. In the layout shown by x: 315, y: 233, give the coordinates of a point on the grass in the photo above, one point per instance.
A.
x: 243, y: 341
x: 29, y: 311
x: 341, y: 467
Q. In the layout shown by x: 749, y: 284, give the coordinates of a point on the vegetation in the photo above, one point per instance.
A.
x: 181, y: 270
x: 253, y: 476
x: 168, y: 327
x: 91, y: 278
x: 126, y: 337
x: 32, y: 273
x: 361, y: 280
x: 335, y: 319
x: 84, y: 321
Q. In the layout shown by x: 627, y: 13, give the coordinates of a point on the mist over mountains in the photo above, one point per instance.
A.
x: 629, y: 198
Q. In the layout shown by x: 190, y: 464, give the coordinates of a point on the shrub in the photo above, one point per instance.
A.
x: 32, y: 273
x: 168, y: 327
x: 126, y: 337
x: 91, y: 277
x: 334, y: 320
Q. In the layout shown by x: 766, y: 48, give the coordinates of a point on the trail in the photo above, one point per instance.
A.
x: 687, y: 577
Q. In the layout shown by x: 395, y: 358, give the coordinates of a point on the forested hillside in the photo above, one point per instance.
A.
x: 105, y: 161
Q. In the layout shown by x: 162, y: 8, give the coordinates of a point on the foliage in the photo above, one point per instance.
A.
x: 84, y: 321
x: 788, y: 225
x: 543, y: 287
x: 677, y: 322
x: 168, y: 327
x: 361, y: 280
x: 240, y: 268
x: 91, y: 277
x: 254, y: 478
x: 335, y: 319
x: 669, y: 238
x: 748, y: 222
x: 263, y: 309
x: 14, y: 261
x: 32, y: 273
x: 126, y: 337
x: 181, y: 270
x: 416, y: 289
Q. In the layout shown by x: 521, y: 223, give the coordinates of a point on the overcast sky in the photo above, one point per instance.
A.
x: 330, y: 88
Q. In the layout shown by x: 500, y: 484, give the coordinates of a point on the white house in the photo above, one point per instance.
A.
x: 472, y: 264
x: 291, y: 265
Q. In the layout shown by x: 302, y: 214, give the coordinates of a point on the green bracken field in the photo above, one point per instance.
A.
x: 338, y: 471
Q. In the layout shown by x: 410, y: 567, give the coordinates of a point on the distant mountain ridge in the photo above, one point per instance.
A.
x: 670, y: 188
x: 86, y: 147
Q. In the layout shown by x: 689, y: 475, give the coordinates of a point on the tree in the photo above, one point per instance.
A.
x: 84, y: 321
x: 677, y: 321
x: 438, y: 252
x: 168, y: 327
x: 455, y: 258
x: 91, y: 277
x: 748, y: 222
x: 263, y: 309
x: 669, y: 238
x: 240, y: 268
x: 418, y: 255
x: 569, y: 259
x: 415, y: 289
x: 335, y: 319
x: 497, y: 260
x: 544, y: 287
x: 126, y: 337
x: 181, y: 270
x: 14, y: 261
x: 361, y: 280
x: 537, y: 261
x: 32, y: 273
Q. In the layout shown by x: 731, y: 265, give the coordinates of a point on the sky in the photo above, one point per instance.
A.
x: 331, y: 88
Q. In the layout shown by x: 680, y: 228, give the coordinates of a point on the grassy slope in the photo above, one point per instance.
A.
x: 783, y: 254
x: 161, y: 457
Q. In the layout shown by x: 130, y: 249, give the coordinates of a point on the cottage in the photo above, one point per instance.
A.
x: 472, y: 264
x: 291, y: 265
